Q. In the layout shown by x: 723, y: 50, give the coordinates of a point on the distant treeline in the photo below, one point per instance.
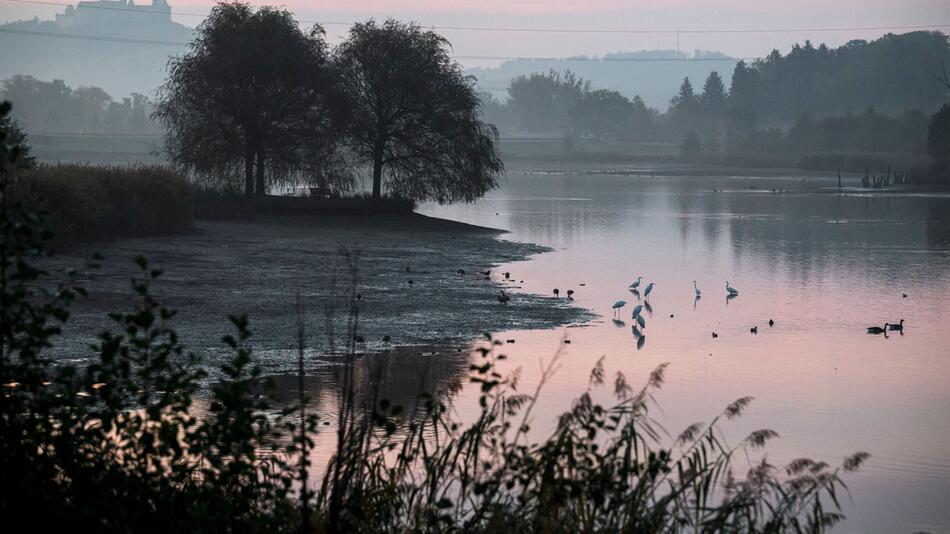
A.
x: 890, y: 74
x: 54, y: 107
x: 559, y: 104
x: 810, y: 99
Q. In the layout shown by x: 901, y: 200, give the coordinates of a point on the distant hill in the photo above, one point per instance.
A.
x: 655, y: 75
x: 101, y: 56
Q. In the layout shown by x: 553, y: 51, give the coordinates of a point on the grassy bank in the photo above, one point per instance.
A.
x: 86, y: 203
x: 211, y: 204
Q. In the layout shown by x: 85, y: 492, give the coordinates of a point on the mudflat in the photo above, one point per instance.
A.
x: 405, y: 268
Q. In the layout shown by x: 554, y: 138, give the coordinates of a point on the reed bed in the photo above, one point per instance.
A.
x: 90, y: 203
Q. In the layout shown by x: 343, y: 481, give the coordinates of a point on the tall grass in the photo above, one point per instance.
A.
x: 602, y: 469
x: 89, y: 203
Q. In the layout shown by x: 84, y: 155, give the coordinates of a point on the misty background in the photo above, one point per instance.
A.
x: 764, y: 86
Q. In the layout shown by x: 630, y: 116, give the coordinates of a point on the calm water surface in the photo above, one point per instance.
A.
x: 823, y: 266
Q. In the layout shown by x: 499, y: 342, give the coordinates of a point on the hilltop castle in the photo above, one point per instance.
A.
x: 109, y: 13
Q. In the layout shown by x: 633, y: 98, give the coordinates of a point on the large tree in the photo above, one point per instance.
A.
x: 938, y: 134
x: 414, y: 115
x: 542, y: 103
x: 714, y: 94
x: 608, y: 114
x: 250, y: 91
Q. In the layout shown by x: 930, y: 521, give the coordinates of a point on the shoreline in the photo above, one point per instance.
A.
x: 259, y: 268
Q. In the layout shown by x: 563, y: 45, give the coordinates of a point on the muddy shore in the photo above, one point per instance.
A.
x: 261, y: 267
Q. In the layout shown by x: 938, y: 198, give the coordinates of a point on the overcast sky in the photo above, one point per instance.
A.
x: 685, y: 15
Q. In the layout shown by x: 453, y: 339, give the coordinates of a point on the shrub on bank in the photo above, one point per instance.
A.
x: 89, y: 203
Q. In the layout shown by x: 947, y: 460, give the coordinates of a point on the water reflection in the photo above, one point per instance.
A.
x: 823, y: 265
x: 400, y: 377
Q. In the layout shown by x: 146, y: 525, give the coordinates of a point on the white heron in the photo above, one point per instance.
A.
x: 731, y: 290
x: 646, y: 292
x: 698, y: 292
x: 619, y: 304
x: 636, y: 310
x: 637, y: 283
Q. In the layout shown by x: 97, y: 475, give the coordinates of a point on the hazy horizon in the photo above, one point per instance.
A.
x: 746, y: 26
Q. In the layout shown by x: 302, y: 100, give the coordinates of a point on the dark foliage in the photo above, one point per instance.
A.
x: 86, y: 203
x: 412, y: 113
x: 250, y: 93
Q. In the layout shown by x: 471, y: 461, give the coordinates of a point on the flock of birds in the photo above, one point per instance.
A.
x: 637, y: 316
x: 640, y: 322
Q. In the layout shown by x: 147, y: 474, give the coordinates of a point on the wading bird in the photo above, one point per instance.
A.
x: 570, y: 293
x: 636, y: 310
x: 637, y: 283
x: 557, y: 292
x: 731, y: 290
x: 771, y: 322
x: 754, y: 330
x: 646, y: 292
x: 617, y: 305
x: 698, y: 292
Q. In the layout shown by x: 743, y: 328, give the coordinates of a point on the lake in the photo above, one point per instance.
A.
x: 822, y: 265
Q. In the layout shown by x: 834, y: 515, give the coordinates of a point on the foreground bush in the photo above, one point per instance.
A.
x: 116, y: 446
x: 89, y: 203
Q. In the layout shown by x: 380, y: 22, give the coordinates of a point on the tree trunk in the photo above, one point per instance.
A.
x: 377, y: 176
x: 248, y: 172
x: 261, y: 188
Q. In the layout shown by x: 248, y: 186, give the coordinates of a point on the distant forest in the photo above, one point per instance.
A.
x: 864, y: 96
x: 891, y: 74
x: 53, y: 107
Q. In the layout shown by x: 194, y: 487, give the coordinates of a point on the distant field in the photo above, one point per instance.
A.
x: 585, y: 149
x: 100, y: 149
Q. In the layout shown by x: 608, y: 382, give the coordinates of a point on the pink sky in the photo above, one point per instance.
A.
x: 604, y: 14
